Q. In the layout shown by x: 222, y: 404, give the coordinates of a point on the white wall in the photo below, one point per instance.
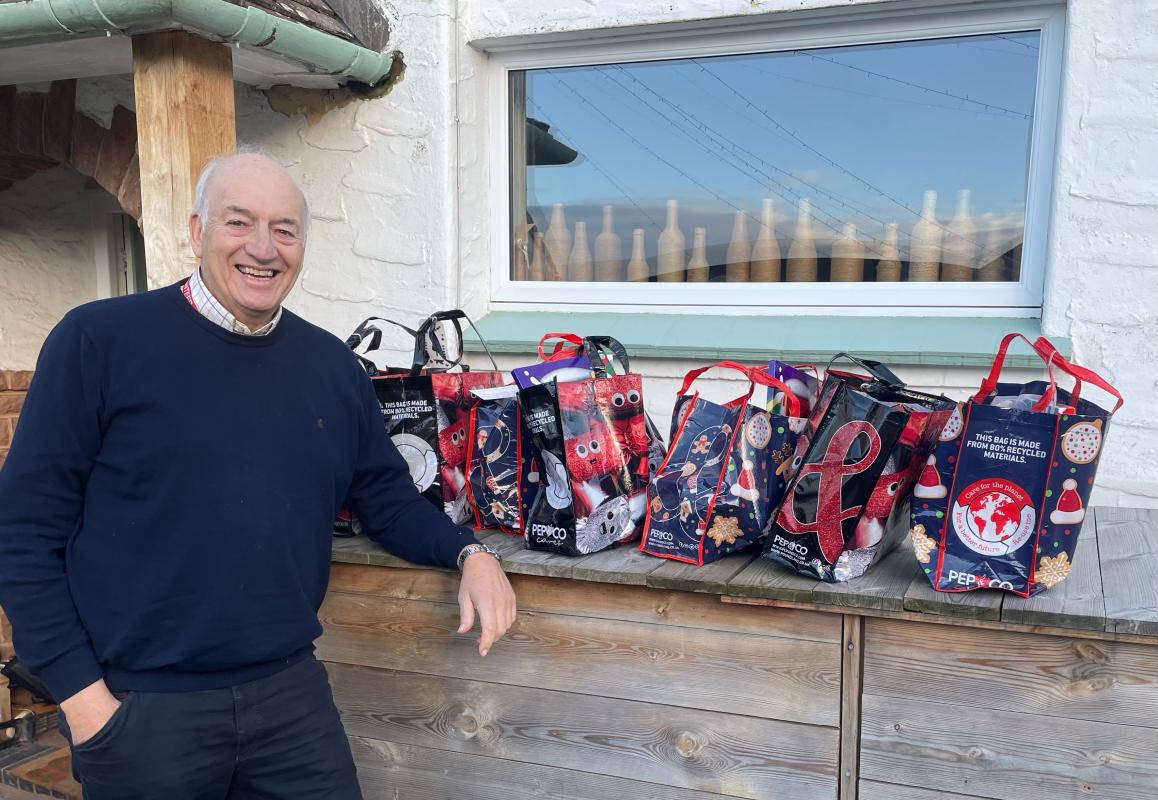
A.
x: 46, y: 260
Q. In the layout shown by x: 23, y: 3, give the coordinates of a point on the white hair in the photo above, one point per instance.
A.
x: 201, y: 194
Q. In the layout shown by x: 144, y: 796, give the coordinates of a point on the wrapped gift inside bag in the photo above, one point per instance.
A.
x: 1001, y: 500
x: 854, y: 466
x: 723, y: 474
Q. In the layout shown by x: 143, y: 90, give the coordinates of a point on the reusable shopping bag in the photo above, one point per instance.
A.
x: 502, y: 467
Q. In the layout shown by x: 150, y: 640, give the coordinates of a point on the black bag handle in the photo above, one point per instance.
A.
x: 427, y: 345
x: 594, y: 348
x: 874, y: 368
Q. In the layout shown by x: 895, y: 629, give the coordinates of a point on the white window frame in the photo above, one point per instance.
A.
x: 779, y: 32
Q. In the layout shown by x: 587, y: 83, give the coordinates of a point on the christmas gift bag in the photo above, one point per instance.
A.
x: 592, y: 490
x: 502, y: 468
x: 853, y: 469
x: 723, y: 474
x: 426, y: 406
x: 1001, y: 500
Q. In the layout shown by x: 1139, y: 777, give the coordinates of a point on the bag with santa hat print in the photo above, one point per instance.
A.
x: 724, y: 473
x: 854, y: 466
x: 592, y: 443
x: 1001, y: 500
x: 426, y: 406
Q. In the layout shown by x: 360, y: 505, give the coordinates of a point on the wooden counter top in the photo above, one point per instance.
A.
x: 1112, y: 591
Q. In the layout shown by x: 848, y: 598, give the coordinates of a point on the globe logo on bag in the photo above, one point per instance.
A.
x: 993, y: 517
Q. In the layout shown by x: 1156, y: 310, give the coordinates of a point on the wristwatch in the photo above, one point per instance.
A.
x: 471, y: 549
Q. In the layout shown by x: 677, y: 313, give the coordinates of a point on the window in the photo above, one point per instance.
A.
x: 903, y: 166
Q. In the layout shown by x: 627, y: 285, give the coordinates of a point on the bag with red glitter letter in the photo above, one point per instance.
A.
x: 426, y: 406
x: 592, y: 442
x: 724, y: 473
x: 1001, y: 501
x: 855, y: 463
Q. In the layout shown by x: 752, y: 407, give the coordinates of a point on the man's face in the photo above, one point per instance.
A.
x: 251, y: 242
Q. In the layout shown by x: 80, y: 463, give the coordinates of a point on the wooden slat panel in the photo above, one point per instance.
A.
x: 763, y: 578
x: 724, y: 753
x: 711, y: 578
x: 1000, y: 754
x: 1128, y: 545
x: 788, y: 679
x: 851, y: 681
x: 388, y: 770
x: 623, y: 564
x: 1076, y: 603
x: 538, y: 562
x: 360, y: 550
x: 627, y: 603
x: 1047, y: 675
x: 874, y: 790
x: 881, y: 588
x: 980, y: 604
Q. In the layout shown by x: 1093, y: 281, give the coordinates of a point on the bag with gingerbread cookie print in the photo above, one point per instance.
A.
x: 724, y: 472
x: 1001, y: 500
x: 855, y: 463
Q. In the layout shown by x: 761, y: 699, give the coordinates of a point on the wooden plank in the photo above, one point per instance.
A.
x: 883, y: 586
x: 623, y: 564
x: 626, y: 603
x: 875, y: 790
x: 183, y: 88
x: 538, y: 562
x: 712, y: 578
x: 766, y: 579
x: 1128, y: 546
x: 1043, y: 675
x: 361, y: 550
x: 979, y: 604
x: 851, y: 679
x: 1002, y: 754
x: 1075, y: 603
x: 403, y: 771
x: 730, y: 754
x: 789, y: 679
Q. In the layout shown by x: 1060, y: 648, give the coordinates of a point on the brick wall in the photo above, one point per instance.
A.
x: 12, y: 388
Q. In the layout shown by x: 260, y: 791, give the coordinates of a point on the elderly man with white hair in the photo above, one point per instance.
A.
x: 166, y: 508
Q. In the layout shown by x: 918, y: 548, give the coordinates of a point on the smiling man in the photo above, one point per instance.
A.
x: 165, y: 517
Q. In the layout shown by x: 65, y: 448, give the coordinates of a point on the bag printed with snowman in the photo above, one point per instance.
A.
x: 1001, y: 500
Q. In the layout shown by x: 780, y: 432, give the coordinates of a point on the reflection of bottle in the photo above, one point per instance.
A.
x: 766, y: 250
x: 637, y: 266
x: 1015, y: 269
x: 669, y: 260
x: 889, y: 266
x: 847, y: 256
x: 992, y: 257
x: 558, y: 244
x: 608, y: 251
x: 957, y: 260
x: 698, y: 269
x: 538, y: 267
x: 925, y: 245
x: 522, y: 246
x: 579, y: 266
x: 801, y: 263
x: 739, y: 251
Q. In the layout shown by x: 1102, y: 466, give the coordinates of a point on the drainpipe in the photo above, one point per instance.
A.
x: 27, y: 21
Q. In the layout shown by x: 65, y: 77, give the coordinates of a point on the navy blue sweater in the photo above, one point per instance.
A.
x: 167, y: 502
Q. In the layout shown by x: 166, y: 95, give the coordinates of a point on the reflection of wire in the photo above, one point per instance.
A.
x: 911, y: 84
x: 638, y: 143
x: 601, y: 171
x: 716, y: 137
x: 997, y: 50
x: 1026, y: 45
x: 1001, y: 114
x: 819, y: 154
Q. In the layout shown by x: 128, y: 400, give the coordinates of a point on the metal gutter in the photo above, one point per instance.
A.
x: 30, y: 21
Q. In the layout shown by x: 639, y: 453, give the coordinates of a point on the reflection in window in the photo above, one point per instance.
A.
x: 885, y: 162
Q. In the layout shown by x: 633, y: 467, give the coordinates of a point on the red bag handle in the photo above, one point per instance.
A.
x: 1077, y: 372
x: 570, y: 344
x: 753, y: 374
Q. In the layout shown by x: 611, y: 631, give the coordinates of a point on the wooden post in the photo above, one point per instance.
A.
x: 851, y: 685
x: 185, y: 116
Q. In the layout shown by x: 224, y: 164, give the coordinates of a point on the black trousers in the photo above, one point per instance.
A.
x: 278, y: 738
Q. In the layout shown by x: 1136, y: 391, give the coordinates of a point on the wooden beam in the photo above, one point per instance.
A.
x: 851, y: 687
x: 185, y: 116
